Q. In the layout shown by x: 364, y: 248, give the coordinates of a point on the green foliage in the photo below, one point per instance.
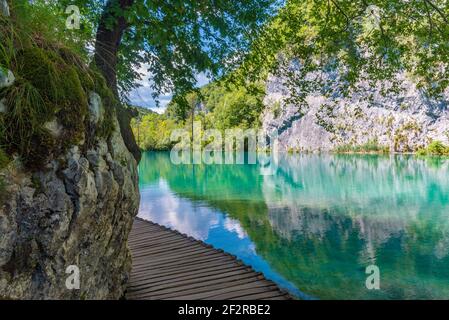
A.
x: 4, y: 160
x: 110, y: 102
x: 46, y: 87
x: 43, y: 21
x: 215, y: 105
x: 435, y: 148
x: 233, y: 107
x: 371, y: 146
x: 178, y: 39
x: 222, y: 106
x: 52, y: 83
x: 153, y: 131
x: 343, y: 38
x: 182, y: 106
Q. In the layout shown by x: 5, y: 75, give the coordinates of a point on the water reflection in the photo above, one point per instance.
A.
x: 318, y: 221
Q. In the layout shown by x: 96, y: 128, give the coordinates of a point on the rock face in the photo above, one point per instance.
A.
x: 401, y: 122
x: 77, y: 211
x: 4, y: 8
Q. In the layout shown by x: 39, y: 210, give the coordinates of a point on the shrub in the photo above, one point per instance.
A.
x: 435, y: 148
x: 372, y: 146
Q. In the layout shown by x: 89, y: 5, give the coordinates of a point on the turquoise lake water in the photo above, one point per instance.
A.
x: 317, y: 222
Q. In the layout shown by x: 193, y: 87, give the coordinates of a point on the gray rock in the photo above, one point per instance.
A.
x: 6, y: 78
x: 4, y: 8
x: 54, y: 127
x: 96, y: 109
x: 402, y: 122
x: 77, y: 211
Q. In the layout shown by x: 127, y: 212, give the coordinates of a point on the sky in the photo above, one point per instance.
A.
x: 142, y: 96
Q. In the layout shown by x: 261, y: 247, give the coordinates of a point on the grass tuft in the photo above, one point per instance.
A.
x: 371, y: 146
x: 52, y: 83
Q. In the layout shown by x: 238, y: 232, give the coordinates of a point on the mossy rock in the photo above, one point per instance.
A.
x: 51, y: 84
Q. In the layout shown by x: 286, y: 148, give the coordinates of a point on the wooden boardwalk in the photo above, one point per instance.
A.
x: 168, y: 265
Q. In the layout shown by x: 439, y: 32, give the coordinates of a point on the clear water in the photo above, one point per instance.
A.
x: 316, y: 224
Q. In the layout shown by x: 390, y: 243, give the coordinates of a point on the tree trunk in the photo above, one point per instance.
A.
x: 110, y: 32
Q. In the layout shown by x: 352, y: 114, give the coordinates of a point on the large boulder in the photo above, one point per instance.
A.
x: 77, y: 211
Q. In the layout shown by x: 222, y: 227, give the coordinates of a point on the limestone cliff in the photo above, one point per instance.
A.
x: 400, y: 121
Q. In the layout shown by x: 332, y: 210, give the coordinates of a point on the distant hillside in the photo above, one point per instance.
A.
x: 141, y: 111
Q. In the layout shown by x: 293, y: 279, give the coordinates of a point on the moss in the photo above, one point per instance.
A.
x: 37, y: 184
x: 26, y: 112
x: 4, y: 160
x: 74, y: 107
x: 110, y: 103
x: 46, y: 87
x: 34, y: 65
x: 52, y: 82
x: 43, y: 146
x: 2, y: 191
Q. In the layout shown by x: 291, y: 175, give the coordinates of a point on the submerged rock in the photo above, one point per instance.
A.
x: 76, y: 211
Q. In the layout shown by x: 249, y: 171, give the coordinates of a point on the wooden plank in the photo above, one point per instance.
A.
x: 216, y: 290
x: 174, y: 255
x: 216, y: 258
x: 191, y: 293
x: 170, y: 265
x: 187, y: 275
x: 187, y: 285
x: 156, y: 243
x: 168, y: 283
x: 172, y: 244
x: 177, y: 256
x: 188, y: 269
